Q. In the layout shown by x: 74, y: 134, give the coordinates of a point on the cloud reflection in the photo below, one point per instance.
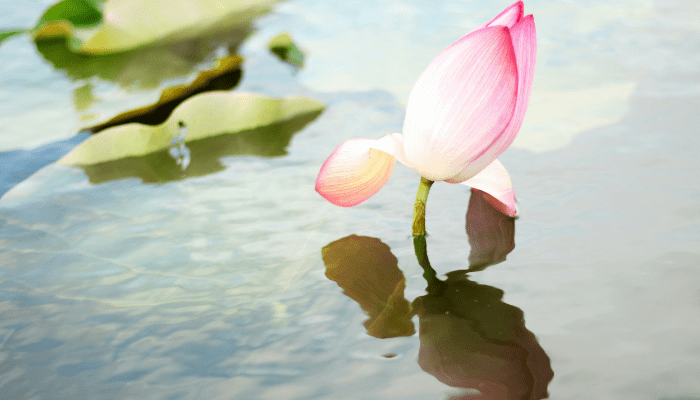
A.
x: 469, y: 338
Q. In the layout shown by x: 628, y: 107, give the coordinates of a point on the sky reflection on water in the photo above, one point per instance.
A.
x: 213, y: 287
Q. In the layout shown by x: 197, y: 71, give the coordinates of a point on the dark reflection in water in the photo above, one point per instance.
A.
x: 491, y: 234
x: 142, y: 68
x: 369, y: 274
x: 269, y: 141
x: 469, y: 338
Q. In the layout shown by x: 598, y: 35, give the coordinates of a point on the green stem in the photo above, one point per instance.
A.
x: 435, y: 286
x: 419, y: 207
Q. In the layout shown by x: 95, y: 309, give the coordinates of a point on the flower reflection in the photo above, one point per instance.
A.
x: 491, y: 233
x: 469, y: 338
x: 369, y: 274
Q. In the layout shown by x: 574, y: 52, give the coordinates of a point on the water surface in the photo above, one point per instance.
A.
x: 214, y: 286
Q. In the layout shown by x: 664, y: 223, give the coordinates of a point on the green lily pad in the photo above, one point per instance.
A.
x: 140, y: 69
x: 283, y: 46
x: 111, y: 26
x: 225, y: 75
x: 60, y: 18
x: 204, y: 115
x: 204, y: 154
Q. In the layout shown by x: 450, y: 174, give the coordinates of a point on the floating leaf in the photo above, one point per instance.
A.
x: 286, y: 50
x: 64, y: 17
x: 203, y: 154
x: 204, y: 115
x: 103, y: 27
x: 142, y: 68
x: 225, y: 75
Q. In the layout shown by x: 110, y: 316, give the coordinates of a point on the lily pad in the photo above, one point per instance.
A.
x: 225, y: 75
x: 203, y: 154
x: 204, y: 115
x: 64, y: 16
x: 111, y: 26
x: 142, y: 68
x: 283, y: 46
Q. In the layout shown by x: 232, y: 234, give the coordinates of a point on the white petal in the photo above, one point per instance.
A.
x: 461, y: 103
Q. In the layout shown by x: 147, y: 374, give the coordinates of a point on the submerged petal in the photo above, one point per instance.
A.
x: 356, y: 170
x: 494, y: 184
x: 461, y: 103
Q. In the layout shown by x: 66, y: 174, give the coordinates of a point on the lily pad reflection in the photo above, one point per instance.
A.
x: 204, y: 154
x: 223, y: 76
x: 142, y: 68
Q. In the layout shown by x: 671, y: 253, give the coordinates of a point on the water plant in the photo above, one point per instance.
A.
x: 464, y: 111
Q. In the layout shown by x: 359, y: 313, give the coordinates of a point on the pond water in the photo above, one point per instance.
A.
x: 241, y: 282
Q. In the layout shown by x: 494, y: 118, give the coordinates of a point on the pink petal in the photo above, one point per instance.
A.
x: 356, y: 170
x: 510, y: 16
x: 461, y: 103
x: 525, y: 46
x: 494, y: 184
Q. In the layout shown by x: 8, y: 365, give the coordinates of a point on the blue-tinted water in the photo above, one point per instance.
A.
x: 215, y: 287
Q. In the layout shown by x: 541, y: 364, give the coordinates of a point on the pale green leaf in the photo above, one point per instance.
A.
x: 225, y: 74
x: 204, y: 154
x: 283, y: 46
x: 204, y: 115
x: 144, y: 68
x: 119, y: 25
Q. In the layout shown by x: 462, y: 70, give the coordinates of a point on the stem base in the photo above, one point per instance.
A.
x: 419, y: 207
